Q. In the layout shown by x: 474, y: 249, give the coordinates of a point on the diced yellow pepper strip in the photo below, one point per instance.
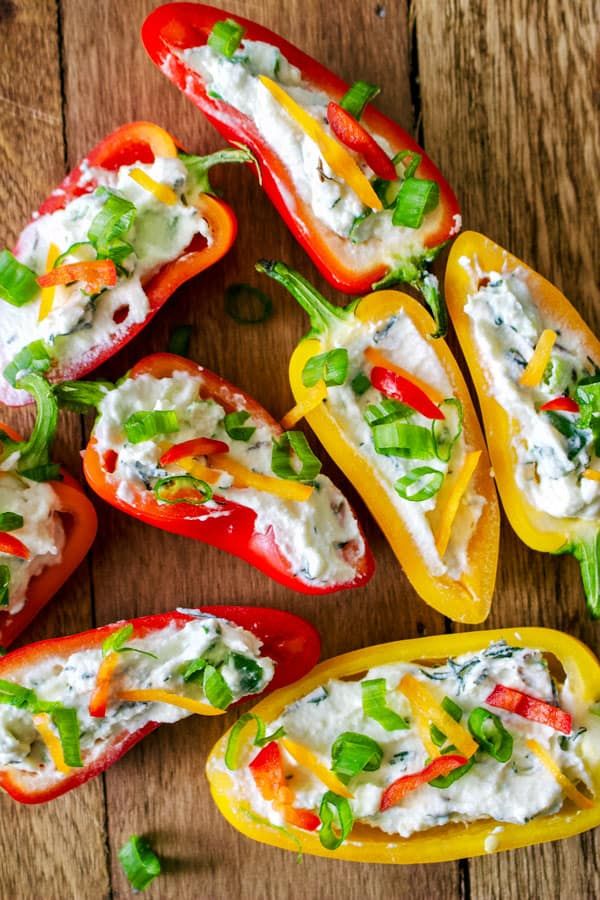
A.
x: 47, y: 298
x: 150, y: 695
x: 566, y: 785
x: 335, y: 155
x: 52, y: 742
x: 591, y: 474
x: 198, y: 470
x: 376, y: 358
x: 534, y: 371
x: 162, y: 192
x: 244, y: 477
x: 313, y: 397
x: 449, y: 511
x: 425, y: 705
x: 308, y: 760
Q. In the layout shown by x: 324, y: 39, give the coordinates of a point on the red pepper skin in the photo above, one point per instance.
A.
x: 177, y: 26
x: 398, y: 789
x: 531, y: 708
x: 562, y: 404
x: 290, y: 641
x: 230, y: 527
x: 355, y: 137
x: 80, y: 523
x: 13, y: 546
x: 269, y: 777
x: 396, y: 387
x: 196, y: 447
x: 125, y: 146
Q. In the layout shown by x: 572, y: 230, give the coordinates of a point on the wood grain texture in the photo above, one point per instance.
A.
x: 507, y: 112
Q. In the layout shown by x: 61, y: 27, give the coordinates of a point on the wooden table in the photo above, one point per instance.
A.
x: 501, y: 93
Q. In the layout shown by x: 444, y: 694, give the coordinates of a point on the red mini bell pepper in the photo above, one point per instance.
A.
x: 131, y: 143
x: 269, y: 777
x: 291, y: 642
x: 227, y: 525
x: 80, y: 523
x: 531, y: 708
x: 440, y: 767
x: 175, y: 27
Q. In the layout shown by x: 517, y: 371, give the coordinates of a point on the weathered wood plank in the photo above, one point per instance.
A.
x: 509, y: 115
x: 160, y: 789
x: 51, y: 851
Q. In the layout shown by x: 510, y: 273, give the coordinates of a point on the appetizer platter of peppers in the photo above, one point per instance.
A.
x: 422, y: 750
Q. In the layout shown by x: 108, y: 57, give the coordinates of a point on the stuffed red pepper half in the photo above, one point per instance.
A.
x: 354, y: 188
x: 47, y: 524
x: 108, y: 247
x: 70, y: 707
x: 182, y: 449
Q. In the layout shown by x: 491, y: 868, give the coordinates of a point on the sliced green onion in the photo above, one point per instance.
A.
x: 195, y: 669
x: 387, y: 191
x: 374, y: 704
x: 232, y: 750
x: 198, y: 167
x: 419, y: 484
x: 140, y: 863
x: 49, y: 472
x: 386, y: 411
x: 179, y: 340
x: 490, y: 734
x: 10, y: 521
x: 144, y: 425
x: 405, y: 440
x: 81, y: 396
x: 444, y: 781
x: 251, y: 673
x: 183, y: 489
x: 234, y: 425
x: 353, y: 753
x: 411, y: 168
x: 330, y: 367
x: 17, y: 281
x: 4, y: 585
x: 67, y: 725
x: 110, y: 225
x: 83, y: 251
x: 247, y: 305
x: 360, y: 384
x: 117, y: 639
x: 216, y: 689
x: 34, y: 459
x: 16, y: 695
x: 35, y: 357
x: 452, y: 708
x: 361, y: 228
x: 337, y: 820
x: 281, y: 458
x: 416, y: 197
x: 357, y: 96
x: 225, y: 37
x: 446, y: 431
x: 438, y: 737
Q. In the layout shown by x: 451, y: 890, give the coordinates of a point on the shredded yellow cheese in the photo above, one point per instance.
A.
x: 591, y: 474
x: 449, y: 511
x: 51, y: 741
x: 426, y: 706
x: 162, y: 192
x: 534, y: 371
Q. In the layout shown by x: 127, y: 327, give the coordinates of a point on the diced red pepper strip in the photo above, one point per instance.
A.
x: 398, y: 388
x: 355, y: 137
x: 531, y: 708
x: 441, y: 766
x: 12, y: 546
x: 95, y: 274
x: 269, y: 777
x: 564, y: 404
x: 195, y: 447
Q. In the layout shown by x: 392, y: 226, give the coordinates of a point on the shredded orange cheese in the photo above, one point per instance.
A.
x: 534, y: 371
x: 449, y: 511
x: 308, y: 760
x: 51, y: 741
x: 425, y: 706
x: 377, y: 358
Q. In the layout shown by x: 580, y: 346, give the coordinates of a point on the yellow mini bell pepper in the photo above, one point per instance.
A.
x: 467, y: 599
x: 443, y: 843
x: 471, y: 254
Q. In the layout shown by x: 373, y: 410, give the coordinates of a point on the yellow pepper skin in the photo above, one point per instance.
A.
x: 465, y: 601
x: 537, y: 529
x: 447, y: 842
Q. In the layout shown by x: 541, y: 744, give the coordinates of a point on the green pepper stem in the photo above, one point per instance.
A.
x: 413, y: 272
x: 587, y: 553
x: 81, y: 396
x: 35, y: 451
x: 199, y: 166
x: 321, y: 312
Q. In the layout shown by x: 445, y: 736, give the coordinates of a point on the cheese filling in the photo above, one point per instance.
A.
x: 71, y: 681
x: 399, y: 341
x: 331, y: 200
x: 320, y: 537
x: 80, y: 325
x: 42, y: 533
x: 513, y: 791
x: 552, y: 450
